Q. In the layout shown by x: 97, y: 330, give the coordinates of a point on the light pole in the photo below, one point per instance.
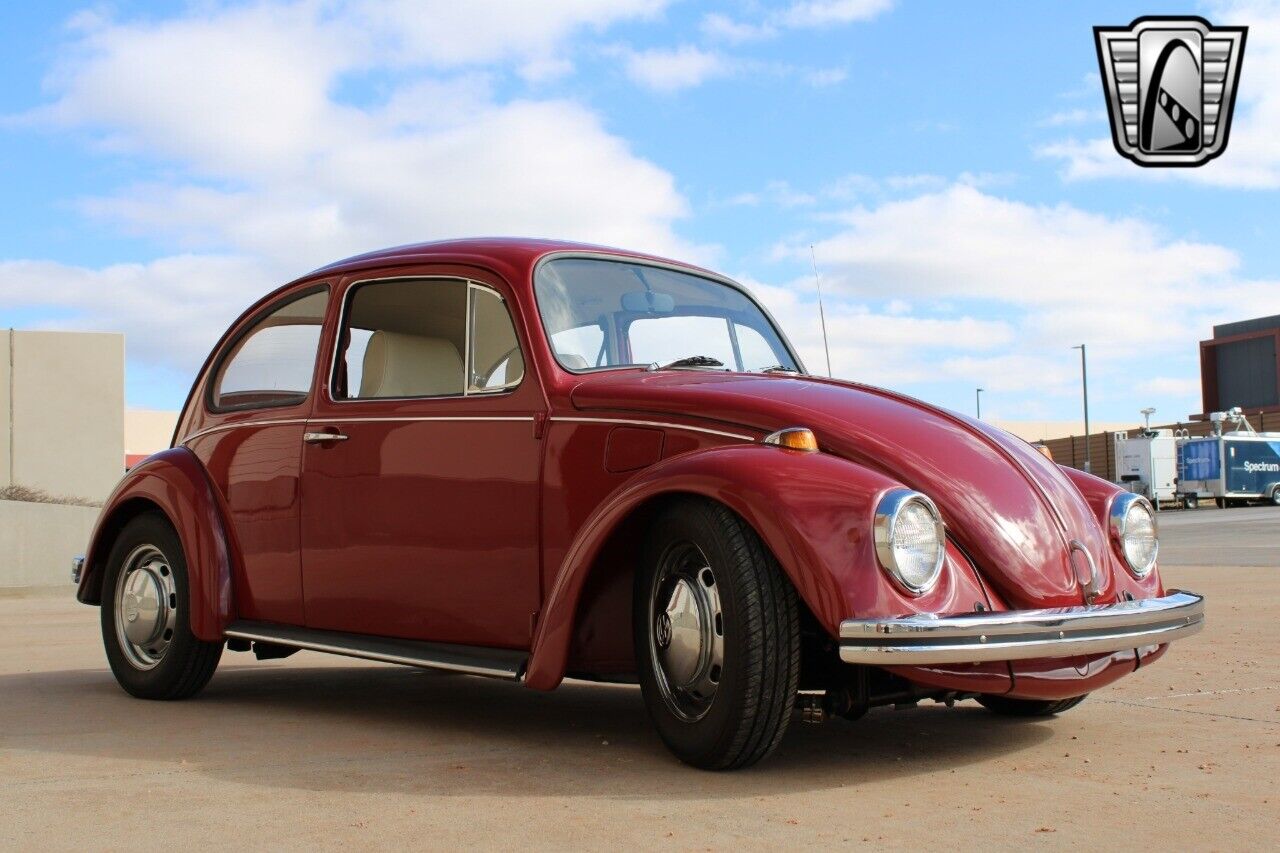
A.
x: 977, y: 396
x: 1146, y: 417
x: 1084, y: 382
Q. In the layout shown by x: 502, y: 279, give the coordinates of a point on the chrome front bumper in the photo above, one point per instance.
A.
x: 1019, y: 634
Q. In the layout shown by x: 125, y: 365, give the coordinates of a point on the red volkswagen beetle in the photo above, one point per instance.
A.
x: 532, y: 460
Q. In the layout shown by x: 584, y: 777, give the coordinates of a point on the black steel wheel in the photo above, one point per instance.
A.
x: 1008, y: 707
x: 146, y: 620
x: 717, y: 637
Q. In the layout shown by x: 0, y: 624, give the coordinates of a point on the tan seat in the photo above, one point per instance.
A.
x: 398, y: 365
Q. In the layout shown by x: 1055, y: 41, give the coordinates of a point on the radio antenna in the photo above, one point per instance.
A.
x: 822, y: 314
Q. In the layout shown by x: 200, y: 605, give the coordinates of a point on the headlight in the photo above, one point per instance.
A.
x: 1133, y: 530
x: 910, y: 541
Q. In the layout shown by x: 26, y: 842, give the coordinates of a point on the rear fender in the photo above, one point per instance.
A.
x: 812, y: 510
x: 174, y: 483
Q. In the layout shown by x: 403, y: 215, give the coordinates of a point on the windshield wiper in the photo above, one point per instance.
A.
x: 693, y: 361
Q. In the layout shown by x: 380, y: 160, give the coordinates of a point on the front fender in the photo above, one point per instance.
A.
x: 812, y: 510
x: 174, y: 483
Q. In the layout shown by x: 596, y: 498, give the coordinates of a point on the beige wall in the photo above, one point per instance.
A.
x: 1040, y: 430
x: 148, y: 431
x: 38, y: 542
x: 62, y: 403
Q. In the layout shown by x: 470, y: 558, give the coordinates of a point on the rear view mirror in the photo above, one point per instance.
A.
x: 648, y: 302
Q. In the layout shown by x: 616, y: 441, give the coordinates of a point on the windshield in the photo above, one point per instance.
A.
x: 605, y: 313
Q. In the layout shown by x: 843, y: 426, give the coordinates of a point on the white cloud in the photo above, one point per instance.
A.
x: 1252, y: 158
x: 1047, y: 277
x: 255, y: 161
x: 824, y: 13
x: 173, y: 308
x: 887, y: 346
x: 1179, y: 386
x: 1075, y: 116
x: 826, y: 76
x: 679, y: 68
x: 448, y: 33
x: 801, y: 15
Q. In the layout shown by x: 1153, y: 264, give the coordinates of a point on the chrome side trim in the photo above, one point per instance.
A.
x: 659, y: 424
x: 342, y: 420
x: 238, y: 424
x: 471, y: 660
x: 1020, y: 634
x: 413, y: 418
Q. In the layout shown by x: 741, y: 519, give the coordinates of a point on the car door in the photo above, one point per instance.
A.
x: 420, y: 467
x: 246, y: 427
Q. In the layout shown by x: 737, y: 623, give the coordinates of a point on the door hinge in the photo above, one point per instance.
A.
x: 539, y: 424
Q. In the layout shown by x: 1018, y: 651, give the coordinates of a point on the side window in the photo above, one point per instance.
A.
x: 409, y: 338
x: 272, y: 364
x: 495, y: 361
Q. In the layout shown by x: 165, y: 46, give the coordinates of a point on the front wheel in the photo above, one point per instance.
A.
x: 1275, y: 496
x: 146, y: 618
x: 717, y: 637
x: 1007, y: 707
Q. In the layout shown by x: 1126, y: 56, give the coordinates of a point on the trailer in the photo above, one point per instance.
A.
x: 1147, y: 464
x: 1242, y: 465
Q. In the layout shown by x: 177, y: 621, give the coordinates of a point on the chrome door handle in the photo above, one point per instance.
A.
x: 322, y: 437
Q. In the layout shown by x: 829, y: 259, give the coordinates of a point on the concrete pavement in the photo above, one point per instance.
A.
x: 322, y: 752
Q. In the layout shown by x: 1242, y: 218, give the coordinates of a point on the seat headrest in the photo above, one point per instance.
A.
x: 399, y: 365
x: 573, y: 361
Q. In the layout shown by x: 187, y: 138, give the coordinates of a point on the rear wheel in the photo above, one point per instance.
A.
x: 1275, y: 496
x: 717, y: 637
x: 1008, y: 707
x: 146, y: 619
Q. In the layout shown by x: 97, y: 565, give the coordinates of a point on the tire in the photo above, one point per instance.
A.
x: 728, y: 703
x: 154, y: 655
x: 1275, y: 496
x: 1007, y: 707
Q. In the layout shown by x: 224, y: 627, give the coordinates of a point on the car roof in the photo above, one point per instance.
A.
x: 519, y: 253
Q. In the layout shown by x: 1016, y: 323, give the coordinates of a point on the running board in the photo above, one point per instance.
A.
x: 471, y: 660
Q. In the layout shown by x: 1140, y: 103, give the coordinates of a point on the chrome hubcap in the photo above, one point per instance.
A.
x: 146, y: 607
x: 686, y: 642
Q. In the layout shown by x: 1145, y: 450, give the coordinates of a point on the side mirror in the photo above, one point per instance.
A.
x: 648, y: 302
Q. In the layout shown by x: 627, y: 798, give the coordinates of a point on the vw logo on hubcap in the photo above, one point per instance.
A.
x: 662, y: 630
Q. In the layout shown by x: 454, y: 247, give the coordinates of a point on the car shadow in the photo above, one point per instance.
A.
x: 382, y: 728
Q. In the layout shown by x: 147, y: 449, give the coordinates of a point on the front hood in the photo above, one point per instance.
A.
x: 1008, y: 506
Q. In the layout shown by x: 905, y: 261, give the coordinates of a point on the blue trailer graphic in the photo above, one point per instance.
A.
x: 1230, y: 465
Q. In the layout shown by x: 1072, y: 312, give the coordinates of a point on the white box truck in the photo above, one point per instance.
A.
x: 1147, y: 464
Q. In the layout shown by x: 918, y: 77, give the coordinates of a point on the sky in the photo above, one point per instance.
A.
x: 162, y: 165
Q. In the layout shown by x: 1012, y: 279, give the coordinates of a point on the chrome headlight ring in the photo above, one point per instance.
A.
x: 1130, y: 533
x: 892, y: 549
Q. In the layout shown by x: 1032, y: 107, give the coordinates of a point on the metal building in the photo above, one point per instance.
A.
x: 1240, y: 366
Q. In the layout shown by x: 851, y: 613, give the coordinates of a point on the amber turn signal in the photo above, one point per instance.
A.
x: 793, y: 438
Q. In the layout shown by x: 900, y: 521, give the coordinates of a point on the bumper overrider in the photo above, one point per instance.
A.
x: 1020, y: 634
